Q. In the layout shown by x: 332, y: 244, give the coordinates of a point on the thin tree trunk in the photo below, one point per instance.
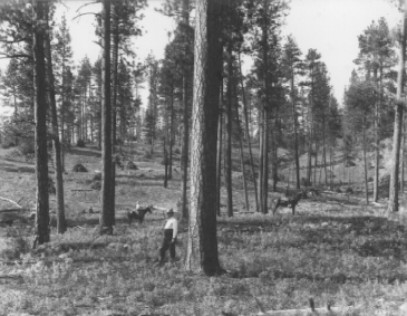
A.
x: 115, y: 58
x: 330, y: 169
x: 242, y: 163
x: 393, y: 205
x: 314, y: 182
x: 41, y: 153
x: 107, y: 213
x: 265, y: 138
x: 402, y: 151
x: 165, y: 155
x: 228, y: 143
x: 377, y: 147
x: 172, y: 132
x: 274, y: 153
x: 249, y: 143
x: 365, y: 166
x: 219, y: 152
x: 202, y: 237
x: 295, y: 134
x: 61, y: 222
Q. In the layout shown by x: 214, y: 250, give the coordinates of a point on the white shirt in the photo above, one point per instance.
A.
x: 172, y: 223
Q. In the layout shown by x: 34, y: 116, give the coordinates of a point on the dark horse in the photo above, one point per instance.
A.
x: 139, y: 213
x: 291, y: 203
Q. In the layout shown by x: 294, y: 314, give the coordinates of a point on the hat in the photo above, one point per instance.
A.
x: 170, y: 211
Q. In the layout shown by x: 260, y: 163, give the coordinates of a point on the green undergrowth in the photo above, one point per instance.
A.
x: 341, y: 258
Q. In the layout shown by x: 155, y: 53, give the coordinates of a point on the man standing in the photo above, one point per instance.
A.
x: 170, y: 236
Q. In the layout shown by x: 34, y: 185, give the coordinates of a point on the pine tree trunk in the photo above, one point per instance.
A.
x: 172, y: 132
x: 61, y: 222
x: 365, y: 165
x: 246, y: 116
x: 295, y: 135
x: 202, y: 249
x: 393, y: 204
x: 330, y: 169
x: 274, y: 155
x: 219, y: 152
x: 265, y: 121
x: 377, y: 148
x: 40, y: 108
x: 228, y: 143
x: 402, y: 157
x: 265, y: 162
x: 107, y: 213
x: 242, y: 163
x: 165, y: 155
x: 185, y: 150
x: 115, y: 56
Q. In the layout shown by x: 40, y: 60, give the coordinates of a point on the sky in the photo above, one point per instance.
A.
x: 330, y: 26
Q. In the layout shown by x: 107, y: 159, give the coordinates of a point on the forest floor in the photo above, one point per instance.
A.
x: 335, y: 251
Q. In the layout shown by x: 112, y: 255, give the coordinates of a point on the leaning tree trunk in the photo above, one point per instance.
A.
x: 393, y: 205
x: 61, y: 222
x: 107, y: 213
x: 202, y: 249
x: 40, y: 111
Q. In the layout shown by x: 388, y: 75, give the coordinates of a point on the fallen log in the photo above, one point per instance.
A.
x: 11, y: 201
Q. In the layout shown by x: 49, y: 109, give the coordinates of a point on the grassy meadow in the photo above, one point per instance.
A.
x: 335, y: 250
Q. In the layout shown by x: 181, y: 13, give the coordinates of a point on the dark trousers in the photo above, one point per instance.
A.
x: 167, y: 244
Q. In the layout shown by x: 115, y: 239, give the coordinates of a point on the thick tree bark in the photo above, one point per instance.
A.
x: 41, y: 153
x: 185, y: 149
x: 202, y: 236
x: 107, y: 213
x: 61, y: 222
x: 185, y: 142
x: 393, y: 204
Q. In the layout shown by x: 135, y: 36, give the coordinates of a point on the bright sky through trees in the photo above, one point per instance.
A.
x: 330, y: 26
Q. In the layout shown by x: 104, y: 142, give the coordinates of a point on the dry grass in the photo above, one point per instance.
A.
x: 335, y: 252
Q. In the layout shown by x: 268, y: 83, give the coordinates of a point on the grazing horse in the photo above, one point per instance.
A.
x: 139, y: 213
x: 291, y: 203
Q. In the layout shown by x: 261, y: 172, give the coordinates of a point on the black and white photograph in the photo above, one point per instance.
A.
x: 203, y: 157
